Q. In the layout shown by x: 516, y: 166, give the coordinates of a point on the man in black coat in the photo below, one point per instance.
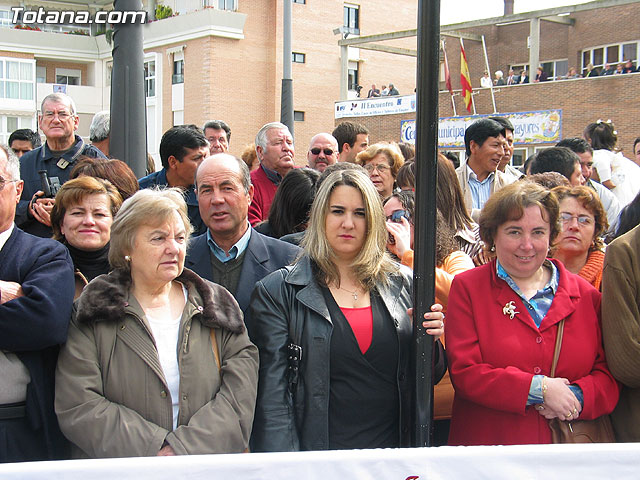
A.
x: 36, y: 296
x: 231, y: 253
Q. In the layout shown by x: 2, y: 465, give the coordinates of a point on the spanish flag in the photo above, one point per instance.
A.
x: 465, y: 78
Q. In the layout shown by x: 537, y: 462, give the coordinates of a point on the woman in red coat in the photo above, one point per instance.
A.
x: 502, y: 322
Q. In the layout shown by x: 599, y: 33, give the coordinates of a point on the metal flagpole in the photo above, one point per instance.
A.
x: 486, y: 61
x: 425, y: 217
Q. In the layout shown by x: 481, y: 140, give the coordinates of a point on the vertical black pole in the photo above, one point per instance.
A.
x: 425, y: 218
x: 128, y: 135
x: 286, y: 101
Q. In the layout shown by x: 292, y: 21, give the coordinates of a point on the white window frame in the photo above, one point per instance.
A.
x: 150, y: 79
x: 24, y: 84
x: 69, y: 73
x: 604, y: 54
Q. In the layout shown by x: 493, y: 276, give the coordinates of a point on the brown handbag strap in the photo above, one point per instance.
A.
x: 556, y: 352
x: 214, y: 347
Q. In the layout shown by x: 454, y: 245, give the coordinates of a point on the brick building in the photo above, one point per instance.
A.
x: 597, y: 32
x: 215, y: 59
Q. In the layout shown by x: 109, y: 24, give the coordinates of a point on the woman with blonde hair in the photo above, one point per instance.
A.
x: 382, y: 162
x: 334, y: 332
x: 157, y: 361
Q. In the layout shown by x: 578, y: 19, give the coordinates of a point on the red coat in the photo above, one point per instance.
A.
x: 493, y: 358
x: 263, y: 192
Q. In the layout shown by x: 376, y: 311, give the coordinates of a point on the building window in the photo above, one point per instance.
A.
x: 555, y: 70
x: 178, y: 72
x: 5, y: 18
x: 519, y: 156
x: 231, y: 5
x: 16, y: 80
x: 298, y: 116
x: 352, y: 19
x: 41, y: 74
x: 611, y: 54
x: 10, y: 123
x: 68, y: 76
x: 300, y: 1
x: 353, y: 78
x: 298, y: 57
x: 150, y: 78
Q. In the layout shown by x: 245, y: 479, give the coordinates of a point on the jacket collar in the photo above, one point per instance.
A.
x: 311, y: 295
x: 564, y: 301
x: 108, y: 298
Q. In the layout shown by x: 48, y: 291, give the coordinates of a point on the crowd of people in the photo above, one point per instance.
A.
x: 226, y: 304
x: 386, y: 91
x: 521, y: 77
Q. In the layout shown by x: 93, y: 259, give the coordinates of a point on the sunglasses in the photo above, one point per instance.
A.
x: 396, y: 216
x: 327, y: 151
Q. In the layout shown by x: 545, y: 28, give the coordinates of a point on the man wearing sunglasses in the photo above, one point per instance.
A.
x: 323, y: 151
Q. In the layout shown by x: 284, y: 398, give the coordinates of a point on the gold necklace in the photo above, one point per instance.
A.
x: 354, y: 294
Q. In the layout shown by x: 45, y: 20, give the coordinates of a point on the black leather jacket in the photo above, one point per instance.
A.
x: 286, y: 421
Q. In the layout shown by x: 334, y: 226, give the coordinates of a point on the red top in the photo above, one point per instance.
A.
x: 263, y: 192
x: 361, y: 322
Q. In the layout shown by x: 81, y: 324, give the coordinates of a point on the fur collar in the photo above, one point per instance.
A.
x: 105, y: 299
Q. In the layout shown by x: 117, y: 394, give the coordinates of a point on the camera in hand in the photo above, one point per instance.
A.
x: 49, y: 186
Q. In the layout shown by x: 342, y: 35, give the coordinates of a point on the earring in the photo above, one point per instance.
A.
x: 493, y: 249
x: 127, y: 258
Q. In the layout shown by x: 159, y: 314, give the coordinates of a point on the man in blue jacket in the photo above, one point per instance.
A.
x: 36, y: 296
x: 59, y: 121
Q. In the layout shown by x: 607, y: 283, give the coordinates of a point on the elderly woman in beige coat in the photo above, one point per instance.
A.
x: 158, y: 361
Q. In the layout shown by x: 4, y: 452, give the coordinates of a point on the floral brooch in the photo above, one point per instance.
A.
x: 510, y: 309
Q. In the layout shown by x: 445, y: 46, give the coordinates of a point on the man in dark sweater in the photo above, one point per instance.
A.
x: 36, y: 296
x: 231, y: 253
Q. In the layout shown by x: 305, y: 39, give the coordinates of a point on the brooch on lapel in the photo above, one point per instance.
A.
x: 510, y: 309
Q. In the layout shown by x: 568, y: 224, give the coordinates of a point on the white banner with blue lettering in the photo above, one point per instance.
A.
x: 533, y: 128
x: 543, y: 462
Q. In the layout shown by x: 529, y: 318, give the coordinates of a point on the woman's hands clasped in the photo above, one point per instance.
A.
x: 559, y: 401
x: 434, y: 320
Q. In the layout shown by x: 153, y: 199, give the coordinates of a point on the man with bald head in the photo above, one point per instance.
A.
x: 323, y: 151
x: 231, y: 253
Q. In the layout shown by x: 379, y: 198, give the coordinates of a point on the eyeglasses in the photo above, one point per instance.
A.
x: 327, y: 151
x: 396, y: 216
x: 3, y: 182
x: 381, y: 168
x: 62, y: 116
x: 583, y: 220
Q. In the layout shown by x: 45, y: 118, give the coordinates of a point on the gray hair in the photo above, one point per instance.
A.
x: 100, y: 126
x: 59, y: 98
x: 151, y: 206
x: 13, y: 162
x: 261, y: 137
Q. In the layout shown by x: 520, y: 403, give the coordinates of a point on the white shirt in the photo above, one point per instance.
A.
x: 165, y: 333
x: 4, y: 236
x: 624, y: 174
